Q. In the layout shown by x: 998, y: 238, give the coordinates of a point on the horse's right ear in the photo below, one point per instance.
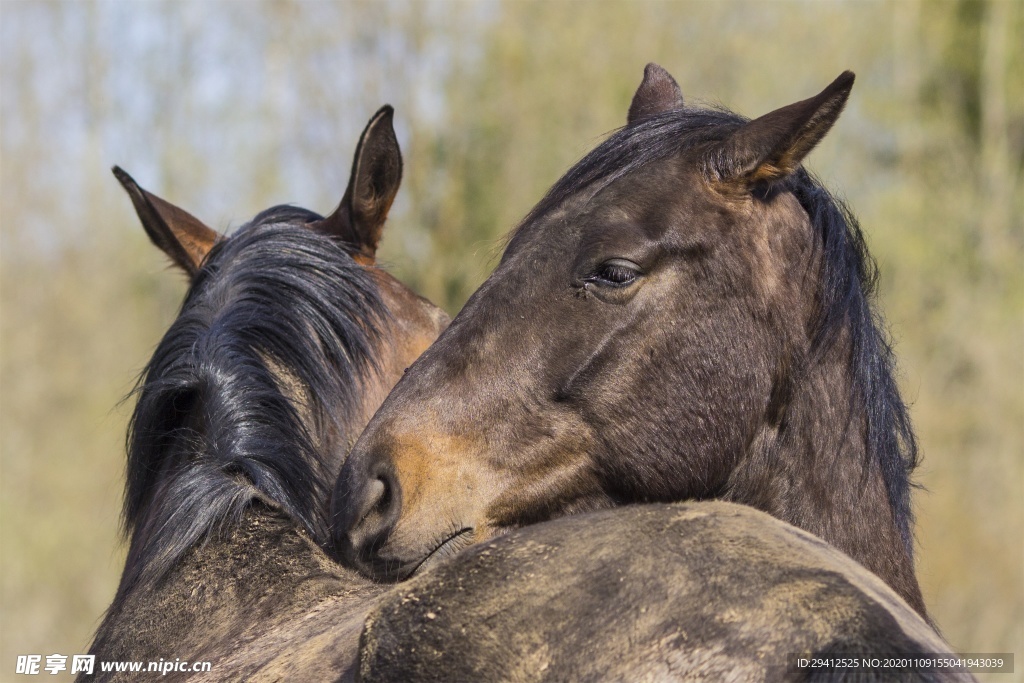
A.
x: 771, y: 147
x: 376, y: 175
x: 179, y: 234
x: 658, y: 93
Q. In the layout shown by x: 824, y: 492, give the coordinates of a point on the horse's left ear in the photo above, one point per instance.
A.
x: 376, y: 175
x: 772, y: 146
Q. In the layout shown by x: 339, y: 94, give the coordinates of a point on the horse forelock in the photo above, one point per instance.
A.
x: 215, y: 425
x: 633, y: 147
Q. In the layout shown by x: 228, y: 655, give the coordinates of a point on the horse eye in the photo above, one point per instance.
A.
x: 616, y: 272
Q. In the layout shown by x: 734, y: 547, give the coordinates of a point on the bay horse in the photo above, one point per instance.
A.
x: 287, y: 341
x: 687, y: 314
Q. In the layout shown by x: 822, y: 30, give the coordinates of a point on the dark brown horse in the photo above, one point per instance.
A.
x: 687, y: 314
x: 700, y: 591
x: 286, y: 343
x: 688, y: 591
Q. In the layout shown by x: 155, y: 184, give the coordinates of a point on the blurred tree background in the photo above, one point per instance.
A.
x: 227, y: 108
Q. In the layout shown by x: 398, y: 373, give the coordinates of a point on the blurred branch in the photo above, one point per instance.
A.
x: 998, y: 175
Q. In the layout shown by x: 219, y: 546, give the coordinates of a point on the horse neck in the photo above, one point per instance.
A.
x: 261, y: 573
x: 811, y: 467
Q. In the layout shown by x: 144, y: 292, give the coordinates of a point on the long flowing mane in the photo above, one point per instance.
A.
x: 216, y: 425
x: 848, y: 277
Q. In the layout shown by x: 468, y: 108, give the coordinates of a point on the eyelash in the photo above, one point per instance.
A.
x: 614, y: 274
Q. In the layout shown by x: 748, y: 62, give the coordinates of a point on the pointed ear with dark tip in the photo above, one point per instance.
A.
x: 179, y: 234
x: 771, y: 147
x: 658, y: 93
x: 376, y: 175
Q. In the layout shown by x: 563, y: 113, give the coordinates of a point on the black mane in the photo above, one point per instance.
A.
x: 213, y: 428
x: 848, y: 276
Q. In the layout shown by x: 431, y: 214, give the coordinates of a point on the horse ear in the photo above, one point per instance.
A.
x: 376, y: 175
x: 179, y: 234
x: 772, y: 146
x: 658, y: 93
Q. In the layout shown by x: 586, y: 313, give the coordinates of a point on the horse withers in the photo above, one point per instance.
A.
x: 287, y: 341
x: 687, y: 314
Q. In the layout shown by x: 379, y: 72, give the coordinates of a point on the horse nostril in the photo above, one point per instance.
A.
x: 385, y: 489
x: 384, y: 502
x: 377, y: 508
x: 377, y: 494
